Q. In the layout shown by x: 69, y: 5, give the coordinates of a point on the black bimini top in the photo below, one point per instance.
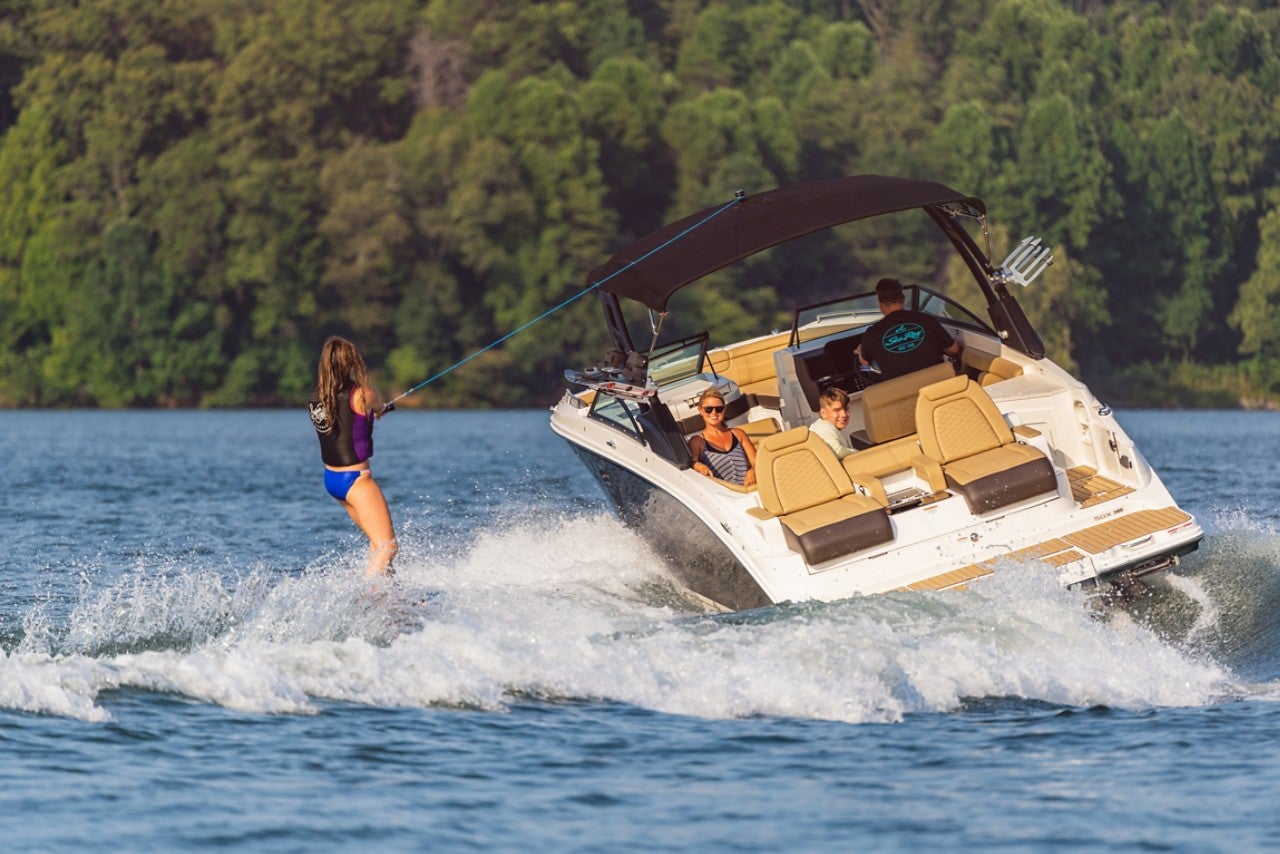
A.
x: 754, y: 223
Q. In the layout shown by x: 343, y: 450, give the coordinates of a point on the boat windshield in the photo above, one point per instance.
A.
x: 615, y: 411
x: 678, y: 360
x: 828, y: 318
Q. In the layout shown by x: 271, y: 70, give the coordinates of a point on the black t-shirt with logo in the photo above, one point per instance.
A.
x: 905, y: 341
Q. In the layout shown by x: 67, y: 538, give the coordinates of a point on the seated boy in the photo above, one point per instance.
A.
x: 833, y: 418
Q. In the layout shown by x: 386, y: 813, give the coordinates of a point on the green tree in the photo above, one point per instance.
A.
x: 17, y: 52
x: 29, y: 309
x: 517, y: 218
x: 1171, y: 239
x: 1181, y: 195
x: 119, y: 84
x: 305, y: 79
x: 622, y: 107
x: 367, y: 228
x: 711, y: 56
x: 524, y: 39
x: 1257, y: 313
x: 846, y: 49
x: 223, y: 182
x: 131, y: 336
x: 970, y: 150
x: 1065, y: 187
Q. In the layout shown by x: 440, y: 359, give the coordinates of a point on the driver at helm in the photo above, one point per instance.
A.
x: 904, y: 340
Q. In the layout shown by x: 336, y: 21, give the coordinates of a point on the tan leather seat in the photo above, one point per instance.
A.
x: 987, y: 369
x: 803, y: 484
x: 959, y: 426
x: 757, y: 430
x: 751, y: 366
x: 889, y: 407
x: 868, y: 466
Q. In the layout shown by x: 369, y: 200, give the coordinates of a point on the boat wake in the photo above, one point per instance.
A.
x: 1226, y: 603
x: 583, y: 610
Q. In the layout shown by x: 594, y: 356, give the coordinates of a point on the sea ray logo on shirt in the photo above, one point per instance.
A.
x: 903, y: 338
x: 319, y: 416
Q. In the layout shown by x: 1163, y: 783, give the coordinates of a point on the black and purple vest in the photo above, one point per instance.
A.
x: 346, y: 437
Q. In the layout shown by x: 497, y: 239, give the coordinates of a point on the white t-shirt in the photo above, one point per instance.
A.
x: 827, y: 432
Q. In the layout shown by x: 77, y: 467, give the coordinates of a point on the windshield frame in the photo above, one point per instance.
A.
x: 916, y: 297
x: 602, y: 407
x: 676, y: 353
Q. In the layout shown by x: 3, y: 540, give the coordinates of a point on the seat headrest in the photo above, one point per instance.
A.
x: 787, y: 438
x: 946, y: 388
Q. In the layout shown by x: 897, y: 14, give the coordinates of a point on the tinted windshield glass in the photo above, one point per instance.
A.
x: 817, y: 321
x: 678, y: 360
x: 936, y: 304
x: 828, y: 318
x: 615, y: 411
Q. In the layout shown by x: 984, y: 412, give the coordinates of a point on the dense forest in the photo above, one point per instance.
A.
x: 197, y: 192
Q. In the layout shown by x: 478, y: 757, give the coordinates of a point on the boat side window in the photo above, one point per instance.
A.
x: 616, y: 411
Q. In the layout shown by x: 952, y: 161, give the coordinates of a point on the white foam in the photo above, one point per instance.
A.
x: 564, y: 609
x: 67, y: 686
x: 1239, y: 518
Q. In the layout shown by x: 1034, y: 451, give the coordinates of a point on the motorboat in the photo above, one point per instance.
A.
x: 998, y: 459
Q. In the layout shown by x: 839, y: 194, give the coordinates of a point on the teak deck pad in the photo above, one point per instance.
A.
x: 1090, y: 488
x: 1059, y: 551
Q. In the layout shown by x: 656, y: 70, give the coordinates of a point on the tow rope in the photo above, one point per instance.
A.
x: 391, y: 405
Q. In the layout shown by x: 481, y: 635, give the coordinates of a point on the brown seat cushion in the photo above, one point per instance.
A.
x: 849, y: 524
x: 961, y: 427
x: 804, y: 485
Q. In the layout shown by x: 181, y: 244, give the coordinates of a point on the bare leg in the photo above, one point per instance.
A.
x: 368, y: 508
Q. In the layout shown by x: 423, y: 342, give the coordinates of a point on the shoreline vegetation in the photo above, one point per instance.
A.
x: 1187, y: 385
x: 1168, y: 386
x: 197, y: 194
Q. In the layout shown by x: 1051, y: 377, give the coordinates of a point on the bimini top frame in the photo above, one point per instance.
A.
x: 653, y: 268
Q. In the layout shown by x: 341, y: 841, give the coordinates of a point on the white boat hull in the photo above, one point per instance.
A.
x: 1004, y: 460
x: 719, y: 550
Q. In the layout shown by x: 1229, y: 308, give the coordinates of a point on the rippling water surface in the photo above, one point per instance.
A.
x: 190, y: 659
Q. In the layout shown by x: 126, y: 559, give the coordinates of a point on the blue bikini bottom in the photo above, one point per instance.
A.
x: 339, y: 483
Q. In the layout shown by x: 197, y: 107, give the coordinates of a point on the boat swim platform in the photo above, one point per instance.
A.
x: 1059, y: 551
x: 1089, y: 488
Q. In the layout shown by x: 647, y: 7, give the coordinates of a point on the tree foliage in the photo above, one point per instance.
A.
x: 197, y: 192
x: 1257, y: 314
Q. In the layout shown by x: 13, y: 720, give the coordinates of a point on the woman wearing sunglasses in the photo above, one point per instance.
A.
x: 719, y: 450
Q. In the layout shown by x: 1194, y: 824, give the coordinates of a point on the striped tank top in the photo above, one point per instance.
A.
x: 730, y: 465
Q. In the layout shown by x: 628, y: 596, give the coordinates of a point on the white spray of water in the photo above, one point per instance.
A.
x: 1208, y: 615
x: 572, y: 608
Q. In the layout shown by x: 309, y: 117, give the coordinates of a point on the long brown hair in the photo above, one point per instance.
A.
x: 341, y: 368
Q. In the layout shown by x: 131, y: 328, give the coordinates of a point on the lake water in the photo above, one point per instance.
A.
x: 190, y: 660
